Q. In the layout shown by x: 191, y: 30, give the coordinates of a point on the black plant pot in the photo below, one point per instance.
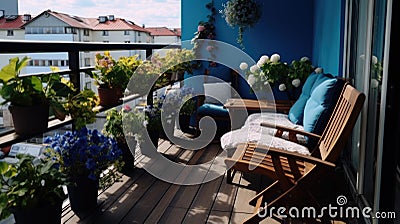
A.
x: 30, y: 120
x: 46, y: 214
x: 128, y: 153
x: 184, y: 122
x: 154, y: 136
x: 83, y: 196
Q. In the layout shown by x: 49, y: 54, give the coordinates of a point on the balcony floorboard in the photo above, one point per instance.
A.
x: 141, y: 198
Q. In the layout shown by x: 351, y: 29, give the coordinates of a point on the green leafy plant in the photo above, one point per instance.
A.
x: 176, y: 60
x: 29, y: 183
x: 81, y: 107
x: 153, y: 117
x: 241, y: 13
x: 271, y: 71
x: 20, y: 90
x: 120, y: 123
x: 114, y: 74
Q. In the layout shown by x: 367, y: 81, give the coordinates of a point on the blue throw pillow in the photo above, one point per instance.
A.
x: 296, y: 112
x: 321, y: 103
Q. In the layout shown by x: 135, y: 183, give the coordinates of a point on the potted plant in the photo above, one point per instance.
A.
x: 279, y: 75
x: 243, y: 14
x: 32, y: 96
x: 112, y: 76
x: 125, y: 126
x: 84, y: 155
x: 153, y: 122
x: 32, y: 189
x: 82, y: 107
x: 176, y: 62
x: 188, y: 108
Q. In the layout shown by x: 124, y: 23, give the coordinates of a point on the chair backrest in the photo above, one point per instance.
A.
x: 341, y: 123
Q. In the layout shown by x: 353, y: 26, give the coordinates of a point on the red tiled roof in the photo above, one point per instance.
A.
x: 117, y: 24
x: 73, y: 21
x: 94, y: 24
x: 178, y: 31
x: 161, y: 31
x: 13, y: 24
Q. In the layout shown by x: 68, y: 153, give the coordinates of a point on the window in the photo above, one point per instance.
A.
x: 105, y: 32
x: 55, y: 63
x: 87, y: 61
x: 126, y: 32
x: 88, y: 85
x: 86, y: 32
x: 68, y: 29
x: 10, y: 32
x: 139, y: 34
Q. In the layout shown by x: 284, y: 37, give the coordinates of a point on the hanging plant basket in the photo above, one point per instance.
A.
x: 241, y: 14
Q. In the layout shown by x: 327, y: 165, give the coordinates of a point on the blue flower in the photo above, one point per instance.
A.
x: 84, y: 152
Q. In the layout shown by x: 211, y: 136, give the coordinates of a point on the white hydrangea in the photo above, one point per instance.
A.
x: 275, y: 58
x: 374, y: 83
x: 304, y: 59
x: 251, y: 80
x: 374, y: 60
x: 263, y: 59
x: 296, y: 82
x: 254, y: 69
x: 243, y: 66
x: 319, y: 70
x: 282, y: 87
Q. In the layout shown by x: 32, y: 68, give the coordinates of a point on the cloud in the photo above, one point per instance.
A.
x: 155, y: 13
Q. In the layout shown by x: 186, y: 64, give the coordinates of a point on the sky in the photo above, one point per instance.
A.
x: 148, y: 12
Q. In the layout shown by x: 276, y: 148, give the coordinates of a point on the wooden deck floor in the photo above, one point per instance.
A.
x: 142, y: 198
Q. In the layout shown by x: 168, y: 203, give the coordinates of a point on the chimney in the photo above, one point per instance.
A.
x: 111, y: 17
x: 143, y: 26
x: 102, y: 19
x: 27, y: 17
x: 1, y: 13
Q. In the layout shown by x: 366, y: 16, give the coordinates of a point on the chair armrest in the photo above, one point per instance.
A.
x: 290, y: 130
x: 294, y: 155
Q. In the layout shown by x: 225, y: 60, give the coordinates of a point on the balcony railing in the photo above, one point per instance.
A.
x: 8, y: 137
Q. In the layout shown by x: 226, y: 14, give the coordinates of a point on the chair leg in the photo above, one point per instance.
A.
x: 271, y: 190
x: 229, y: 175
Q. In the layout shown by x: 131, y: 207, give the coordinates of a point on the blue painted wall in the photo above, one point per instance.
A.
x: 292, y: 28
x: 286, y: 27
x: 328, y: 32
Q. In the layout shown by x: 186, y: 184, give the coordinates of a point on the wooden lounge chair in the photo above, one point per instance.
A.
x: 294, y: 173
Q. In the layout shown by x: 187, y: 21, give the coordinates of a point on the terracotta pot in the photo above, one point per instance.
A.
x: 30, y: 120
x: 109, y: 97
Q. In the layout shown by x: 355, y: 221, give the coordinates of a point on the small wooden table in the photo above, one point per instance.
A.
x: 239, y: 108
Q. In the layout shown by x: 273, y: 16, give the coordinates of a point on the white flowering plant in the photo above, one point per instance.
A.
x: 241, y: 13
x: 271, y: 71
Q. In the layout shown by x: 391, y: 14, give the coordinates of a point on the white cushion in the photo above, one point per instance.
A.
x: 217, y: 93
x: 253, y: 132
x: 262, y: 136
